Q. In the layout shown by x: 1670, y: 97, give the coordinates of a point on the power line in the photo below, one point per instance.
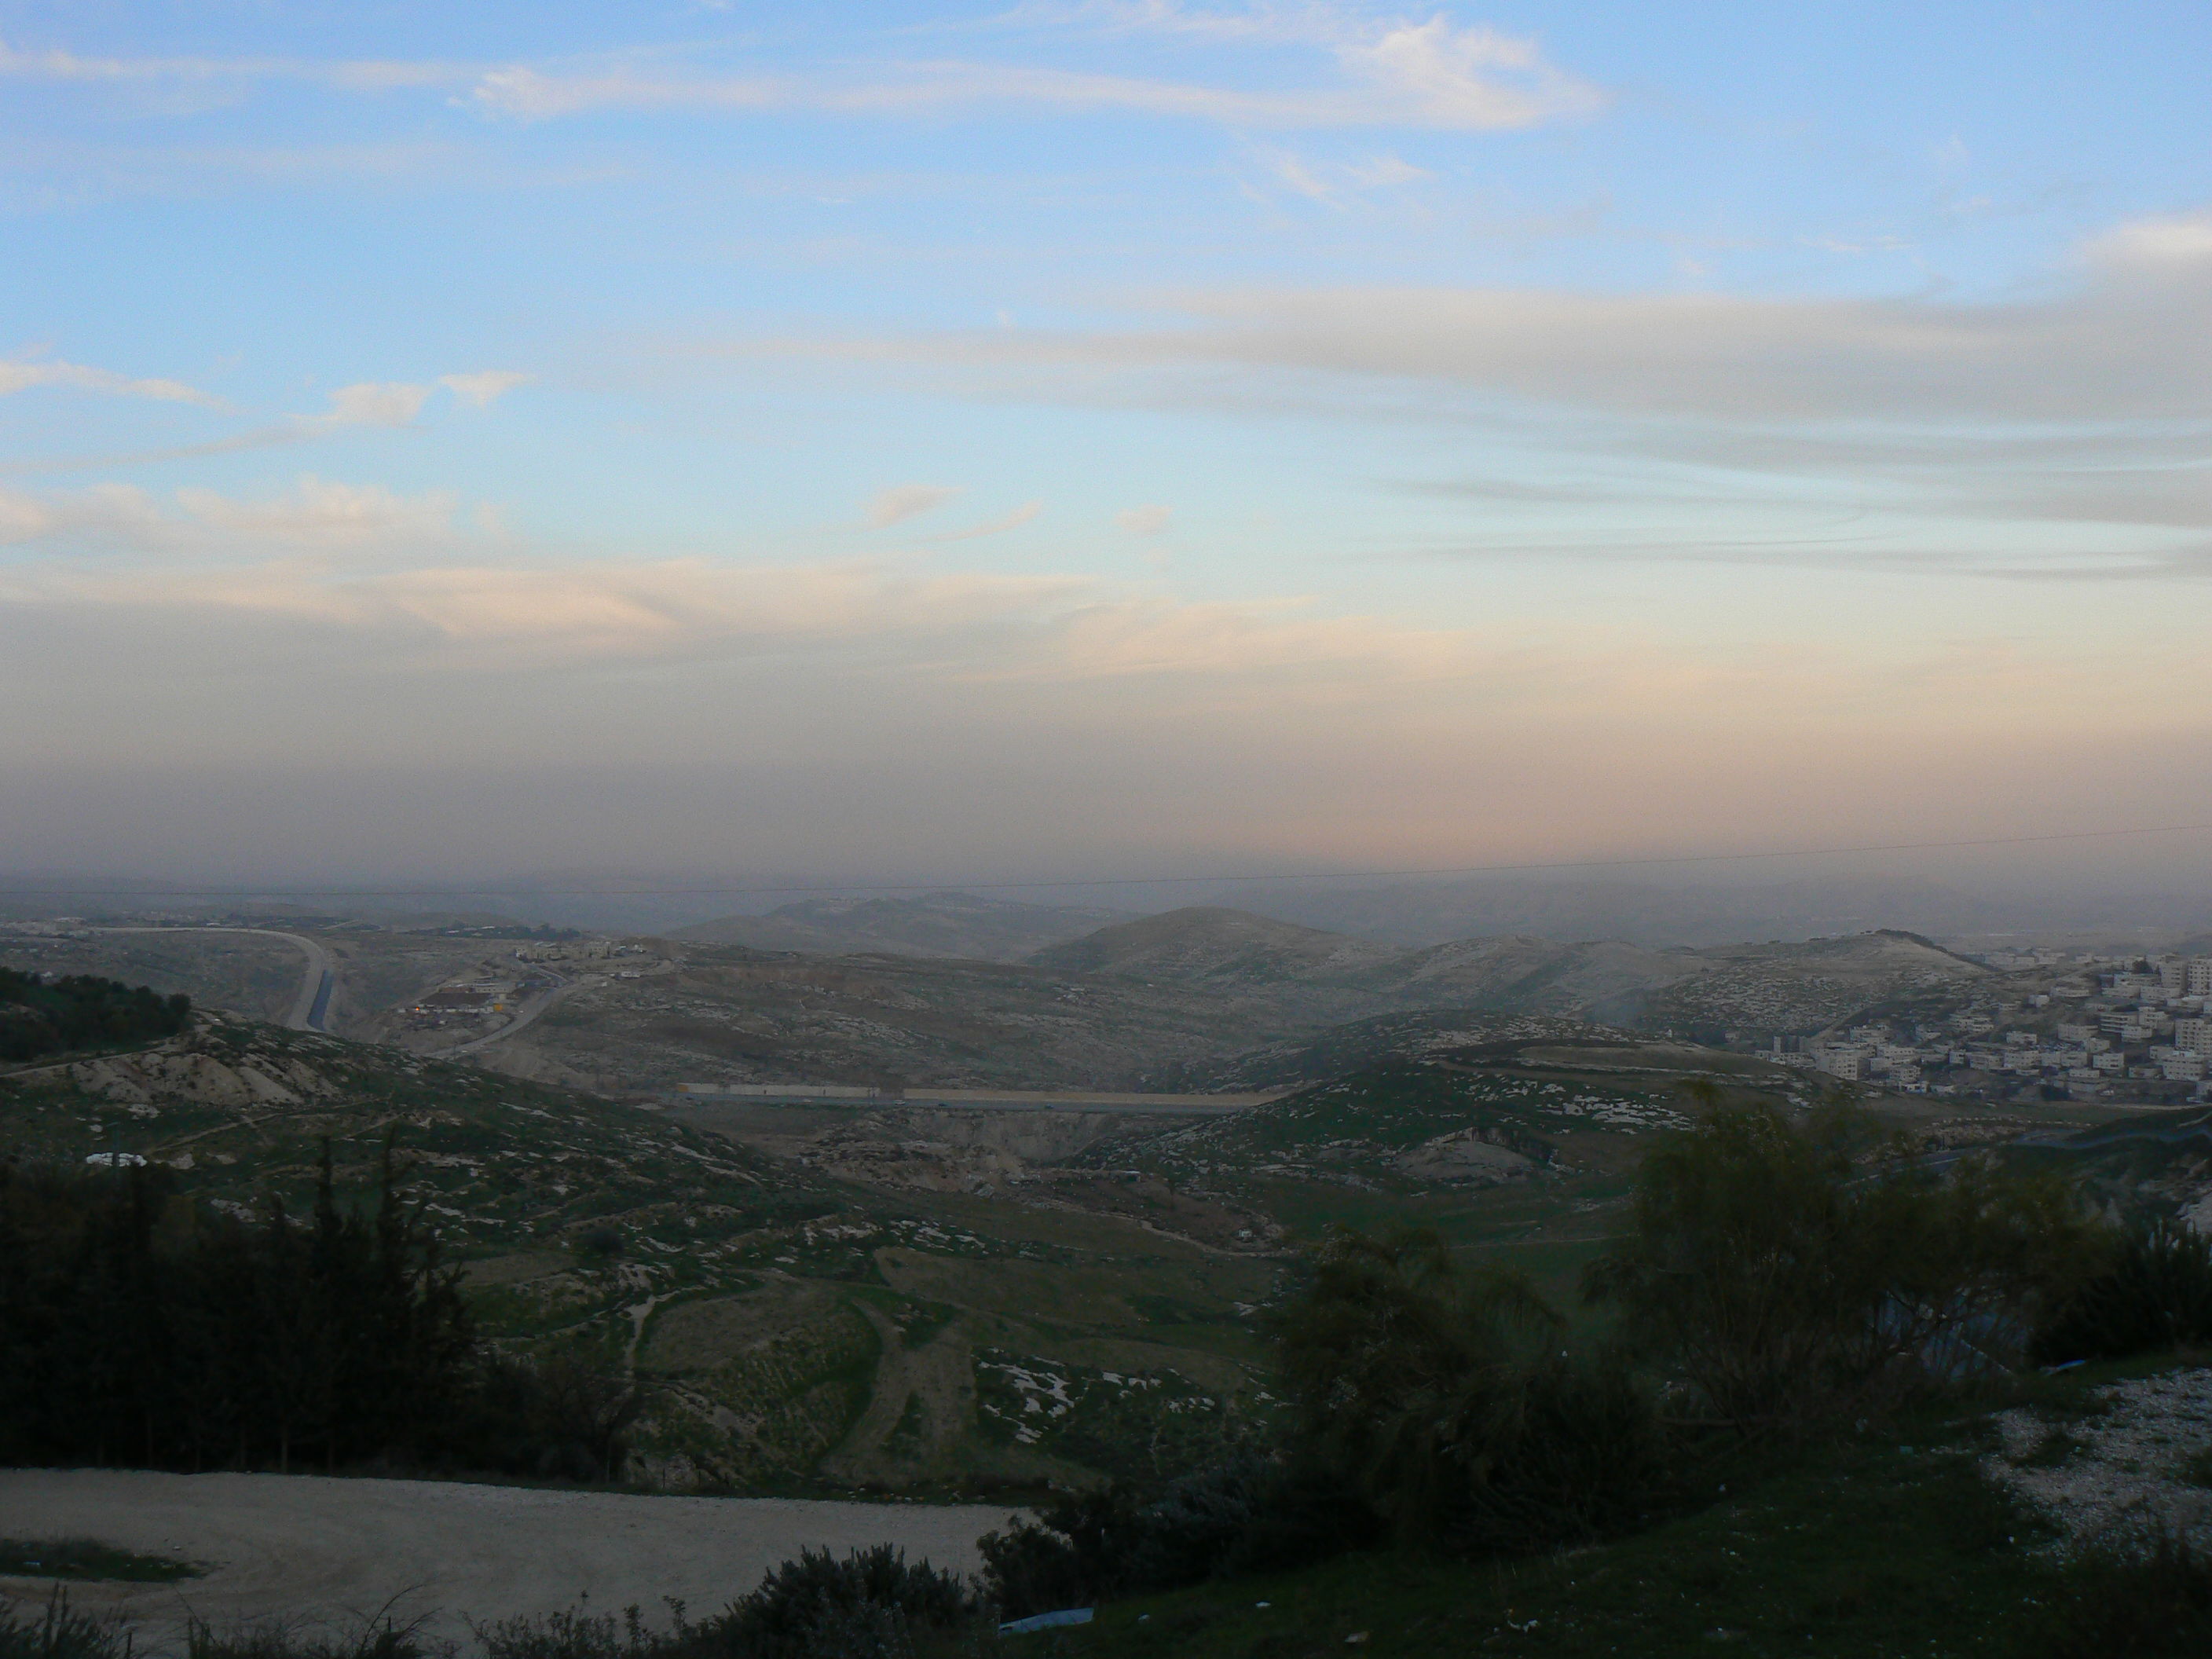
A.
x: 274, y: 892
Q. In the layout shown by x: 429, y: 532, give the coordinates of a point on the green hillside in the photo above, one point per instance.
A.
x: 791, y: 1333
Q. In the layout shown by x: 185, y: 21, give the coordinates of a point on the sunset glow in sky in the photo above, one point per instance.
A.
x: 890, y: 442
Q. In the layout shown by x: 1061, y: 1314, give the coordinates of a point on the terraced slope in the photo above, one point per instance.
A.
x: 1330, y: 975
x: 796, y: 1332
x: 722, y: 1014
x: 1757, y: 989
x: 929, y: 925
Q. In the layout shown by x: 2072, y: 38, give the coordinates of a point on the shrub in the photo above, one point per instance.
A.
x: 2146, y: 1603
x: 376, y: 1638
x: 60, y: 1632
x: 82, y: 1011
x: 1253, y: 1514
x: 1785, y: 1272
x: 1442, y: 1396
x: 865, y: 1607
x: 564, y: 1414
x: 2156, y: 1293
x: 820, y: 1608
x: 575, y: 1634
x: 1078, y: 1552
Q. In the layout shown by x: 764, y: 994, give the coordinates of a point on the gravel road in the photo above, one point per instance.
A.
x: 333, y: 1552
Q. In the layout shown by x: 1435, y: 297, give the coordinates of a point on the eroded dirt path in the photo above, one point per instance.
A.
x: 338, y: 1550
x: 935, y: 1381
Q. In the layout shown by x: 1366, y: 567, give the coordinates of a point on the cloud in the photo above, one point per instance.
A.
x: 366, y: 403
x: 327, y: 515
x: 2131, y: 340
x: 315, y: 515
x: 1329, y: 183
x: 485, y: 387
x: 1390, y: 73
x: 20, y: 375
x: 370, y: 402
x: 58, y: 65
x: 2083, y: 402
x: 1014, y: 521
x: 980, y: 715
x: 903, y: 501
x: 1402, y: 72
x: 1467, y: 79
x: 2176, y: 242
x: 1149, y: 521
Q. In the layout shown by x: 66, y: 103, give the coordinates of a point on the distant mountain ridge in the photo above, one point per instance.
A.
x: 1699, y: 915
x: 1329, y: 975
x: 945, y: 924
x: 1324, y: 975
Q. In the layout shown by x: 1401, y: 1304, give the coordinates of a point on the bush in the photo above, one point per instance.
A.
x: 1078, y: 1552
x: 2145, y: 1603
x: 376, y: 1638
x: 575, y: 1634
x: 1442, y: 1397
x: 865, y: 1607
x: 2156, y: 1293
x: 565, y: 1414
x: 82, y: 1011
x: 1785, y: 1273
x: 60, y: 1632
x: 1253, y: 1513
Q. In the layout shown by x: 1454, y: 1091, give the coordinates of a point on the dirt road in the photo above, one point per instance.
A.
x: 337, y: 1551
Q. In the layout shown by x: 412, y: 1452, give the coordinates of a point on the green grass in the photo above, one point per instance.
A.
x: 78, y: 1559
x: 1862, y: 1549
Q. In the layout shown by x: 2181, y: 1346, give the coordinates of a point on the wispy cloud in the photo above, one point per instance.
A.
x: 1399, y: 73
x: 314, y: 515
x: 370, y: 402
x: 903, y: 501
x: 485, y: 387
x: 20, y: 374
x: 2131, y: 340
x: 1388, y: 72
x: 1148, y: 521
x: 386, y: 582
x: 60, y: 64
x: 1014, y: 520
x: 390, y: 405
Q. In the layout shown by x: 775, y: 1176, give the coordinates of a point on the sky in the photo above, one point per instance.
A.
x: 902, y: 443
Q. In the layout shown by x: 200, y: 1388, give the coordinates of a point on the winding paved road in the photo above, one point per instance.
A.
x: 561, y: 988
x: 312, y: 1007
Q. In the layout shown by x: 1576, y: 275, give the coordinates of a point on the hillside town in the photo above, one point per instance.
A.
x: 2059, y: 1025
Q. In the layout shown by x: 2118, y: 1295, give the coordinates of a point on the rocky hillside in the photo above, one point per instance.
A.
x: 1329, y: 975
x: 1209, y: 945
x: 932, y: 925
x: 796, y: 1330
x: 695, y: 1013
x: 1756, y: 990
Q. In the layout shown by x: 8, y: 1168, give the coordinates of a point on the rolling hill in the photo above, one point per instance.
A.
x: 1748, y: 988
x: 1331, y: 975
x: 931, y: 925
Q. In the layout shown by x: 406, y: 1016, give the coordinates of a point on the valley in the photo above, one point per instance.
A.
x: 865, y: 1288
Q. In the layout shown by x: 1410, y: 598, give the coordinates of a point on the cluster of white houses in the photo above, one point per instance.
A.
x: 2097, y: 1019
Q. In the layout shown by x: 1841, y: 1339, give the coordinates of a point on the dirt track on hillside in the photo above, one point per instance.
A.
x: 338, y: 1551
